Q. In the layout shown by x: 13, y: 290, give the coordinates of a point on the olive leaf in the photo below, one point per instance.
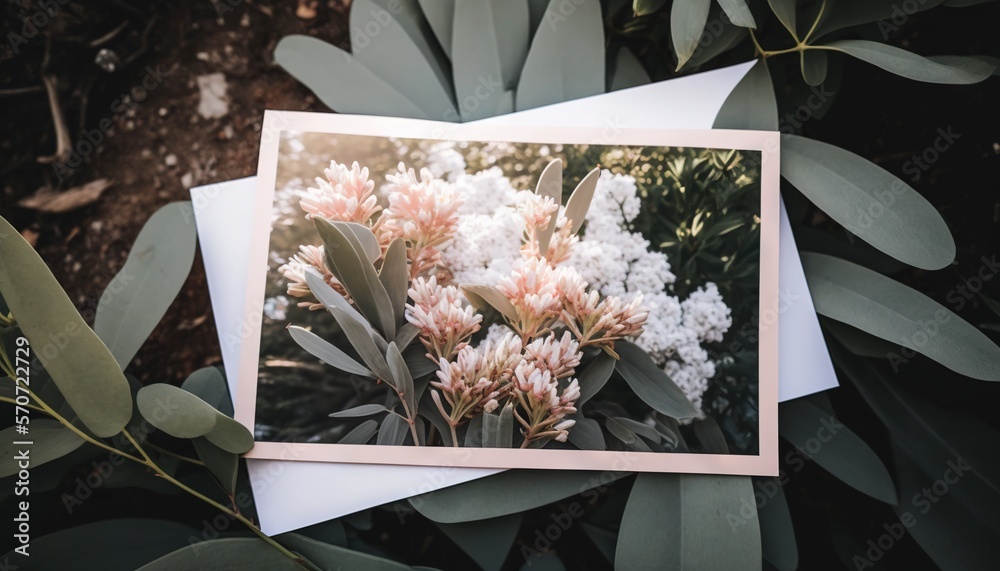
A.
x: 358, y: 411
x: 363, y: 344
x: 401, y: 377
x: 484, y: 297
x: 361, y: 433
x: 785, y: 11
x: 814, y: 65
x: 687, y: 23
x: 751, y: 104
x: 81, y: 366
x: 870, y: 202
x: 139, y: 295
x: 329, y: 297
x: 885, y: 308
x: 327, y: 352
x: 738, y: 13
x: 361, y: 237
x: 627, y: 71
x: 393, y: 431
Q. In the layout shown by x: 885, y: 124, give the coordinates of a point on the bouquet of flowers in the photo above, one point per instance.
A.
x: 523, y: 309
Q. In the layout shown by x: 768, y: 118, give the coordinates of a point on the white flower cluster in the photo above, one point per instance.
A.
x: 610, y: 257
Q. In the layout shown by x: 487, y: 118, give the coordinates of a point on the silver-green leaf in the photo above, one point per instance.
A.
x: 687, y: 23
x: 176, y: 411
x: 954, y: 70
x: 327, y: 352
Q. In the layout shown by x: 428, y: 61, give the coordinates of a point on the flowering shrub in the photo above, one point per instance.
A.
x: 521, y: 305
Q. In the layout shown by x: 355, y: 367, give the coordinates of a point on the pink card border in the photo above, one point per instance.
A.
x: 768, y: 143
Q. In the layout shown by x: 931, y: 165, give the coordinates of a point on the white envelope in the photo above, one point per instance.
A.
x: 290, y: 494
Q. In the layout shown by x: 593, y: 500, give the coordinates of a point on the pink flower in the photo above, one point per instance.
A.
x: 557, y: 356
x: 532, y: 289
x: 295, y: 272
x: 537, y: 211
x: 445, y: 325
x: 602, y: 322
x: 346, y: 195
x: 545, y: 409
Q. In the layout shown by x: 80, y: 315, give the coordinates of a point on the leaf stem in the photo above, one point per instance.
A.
x: 163, y: 450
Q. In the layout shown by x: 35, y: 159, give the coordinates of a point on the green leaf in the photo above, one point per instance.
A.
x: 777, y: 533
x: 50, y: 441
x: 327, y: 556
x: 363, y: 344
x: 230, y: 435
x: 639, y: 428
x: 487, y: 541
x: 579, y: 201
x: 489, y: 40
x: 110, y: 545
x: 594, y: 376
x: 837, y: 449
x: 483, y: 297
x: 361, y: 434
x: 586, y: 434
x: 327, y: 352
x: 751, y: 105
x: 234, y: 553
x: 646, y: 7
x: 814, y: 64
x: 138, y: 297
x: 675, y: 521
x: 358, y: 277
x: 418, y: 363
x: 395, y: 279
x: 209, y: 384
x: 550, y: 185
x: 440, y: 15
x: 728, y: 38
x: 859, y: 342
x: 627, y: 71
x: 566, y: 59
x: 176, y: 411
x: 710, y: 436
x: 738, y: 13
x: 954, y: 70
x: 359, y: 411
x: 510, y: 492
x: 785, y: 11
x: 329, y: 297
x: 82, y: 367
x: 882, y: 307
x: 222, y: 464
x: 340, y: 81
x: 505, y: 427
x: 403, y: 59
x: 687, y: 23
x: 650, y: 383
x: 393, y: 431
x: 847, y: 14
x: 361, y: 237
x: 869, y: 201
x: 401, y: 376
x: 406, y: 334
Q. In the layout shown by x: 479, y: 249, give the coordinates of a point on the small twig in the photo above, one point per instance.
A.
x: 63, y: 141
x: 109, y: 36
x: 21, y: 90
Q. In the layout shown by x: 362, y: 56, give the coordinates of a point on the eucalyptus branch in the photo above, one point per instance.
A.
x: 181, y: 457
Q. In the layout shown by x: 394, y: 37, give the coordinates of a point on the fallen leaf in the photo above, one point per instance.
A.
x: 52, y: 201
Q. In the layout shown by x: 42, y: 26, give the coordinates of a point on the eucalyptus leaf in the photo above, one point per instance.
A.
x: 404, y: 60
x: 395, y: 278
x: 340, y: 81
x: 138, y: 297
x: 487, y: 541
x: 209, y: 384
x: 870, y: 202
x: 579, y: 202
x: 627, y: 71
x: 586, y: 434
x: 363, y: 344
x: 738, y: 13
x: 80, y: 365
x: 360, y: 411
x: 483, y: 297
x: 176, y: 411
x: 752, y: 104
x: 837, y: 449
x: 777, y: 533
x: 549, y: 185
x: 882, y: 307
x: 361, y: 434
x: 328, y: 556
x: 358, y: 276
x: 859, y: 342
x: 327, y: 352
x: 687, y: 23
x: 510, y: 492
x: 401, y: 377
x: 674, y: 521
x: 49, y: 439
x: 393, y: 431
x: 230, y: 435
x: 955, y: 70
x: 814, y: 64
x: 650, y: 383
x: 566, y: 59
x: 785, y: 11
x: 594, y: 376
x: 223, y: 465
x: 110, y: 545
x: 246, y: 554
